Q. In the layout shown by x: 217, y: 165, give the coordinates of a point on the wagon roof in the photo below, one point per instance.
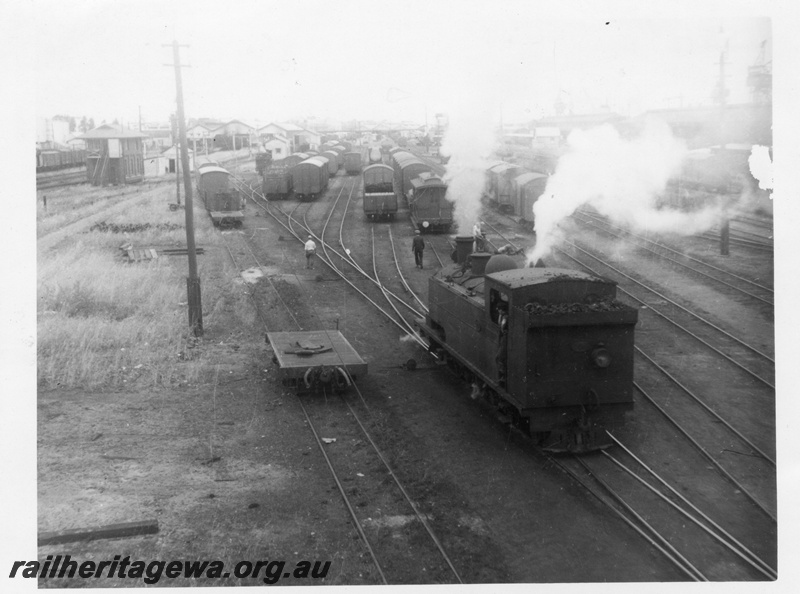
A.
x: 503, y: 167
x: 213, y: 169
x: 406, y: 159
x: 492, y: 164
x: 526, y: 178
x: 377, y: 166
x: 316, y: 161
x: 427, y: 179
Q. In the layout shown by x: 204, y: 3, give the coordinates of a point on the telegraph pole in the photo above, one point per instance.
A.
x: 725, y: 227
x: 193, y: 281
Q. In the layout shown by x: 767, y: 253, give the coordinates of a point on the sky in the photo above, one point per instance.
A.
x: 262, y: 61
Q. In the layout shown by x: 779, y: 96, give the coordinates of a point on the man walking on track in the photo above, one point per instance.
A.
x: 311, y: 249
x: 418, y: 246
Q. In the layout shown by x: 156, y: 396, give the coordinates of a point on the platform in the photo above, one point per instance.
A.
x: 297, y: 352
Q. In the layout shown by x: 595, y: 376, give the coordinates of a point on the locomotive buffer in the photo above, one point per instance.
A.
x: 315, y: 359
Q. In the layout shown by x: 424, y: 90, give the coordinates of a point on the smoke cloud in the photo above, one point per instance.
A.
x: 761, y: 166
x: 622, y: 179
x: 469, y: 142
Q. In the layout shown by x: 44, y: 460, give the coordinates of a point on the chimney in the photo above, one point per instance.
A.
x: 478, y: 262
x: 463, y: 249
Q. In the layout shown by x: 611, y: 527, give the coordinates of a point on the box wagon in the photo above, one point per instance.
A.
x: 310, y: 178
x: 333, y: 161
x: 380, y: 200
x: 277, y: 184
x: 220, y: 196
x: 352, y: 162
x: 526, y: 189
x: 500, y: 177
x: 406, y: 167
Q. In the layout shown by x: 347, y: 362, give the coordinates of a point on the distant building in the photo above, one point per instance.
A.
x: 292, y: 132
x: 169, y: 156
x: 744, y: 123
x: 277, y: 145
x: 158, y: 138
x: 200, y: 135
x: 114, y: 156
x: 567, y: 123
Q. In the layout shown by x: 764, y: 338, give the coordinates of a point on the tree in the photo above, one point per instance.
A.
x: 91, y: 124
x: 84, y: 125
x: 72, y: 124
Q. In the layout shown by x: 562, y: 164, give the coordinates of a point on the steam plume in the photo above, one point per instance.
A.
x: 621, y: 179
x: 469, y: 141
x: 761, y: 166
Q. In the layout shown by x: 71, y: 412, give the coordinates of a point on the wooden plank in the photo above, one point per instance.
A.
x: 122, y: 530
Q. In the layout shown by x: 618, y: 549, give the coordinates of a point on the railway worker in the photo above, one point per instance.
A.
x: 310, y: 249
x: 477, y: 234
x: 418, y: 246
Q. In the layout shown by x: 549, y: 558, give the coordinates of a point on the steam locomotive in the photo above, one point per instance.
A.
x: 551, y: 348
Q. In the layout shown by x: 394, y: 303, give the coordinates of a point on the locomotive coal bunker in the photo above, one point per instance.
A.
x: 552, y: 348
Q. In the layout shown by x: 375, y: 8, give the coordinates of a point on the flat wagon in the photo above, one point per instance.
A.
x: 316, y: 360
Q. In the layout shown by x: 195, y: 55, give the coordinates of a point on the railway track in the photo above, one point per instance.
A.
x: 349, y: 459
x: 743, y: 286
x: 706, y: 542
x: 665, y: 516
x: 61, y: 178
x: 749, y: 565
x: 737, y: 455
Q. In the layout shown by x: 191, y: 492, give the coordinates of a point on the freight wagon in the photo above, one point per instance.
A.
x: 499, y: 184
x: 380, y: 200
x: 310, y: 178
x: 52, y: 160
x: 333, y: 161
x: 352, y: 163
x: 277, y: 184
x: 406, y: 167
x: 526, y: 190
x: 223, y: 201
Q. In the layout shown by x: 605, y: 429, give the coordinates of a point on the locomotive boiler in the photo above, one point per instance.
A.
x: 552, y: 348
